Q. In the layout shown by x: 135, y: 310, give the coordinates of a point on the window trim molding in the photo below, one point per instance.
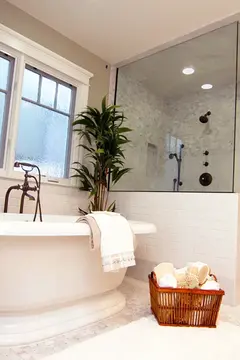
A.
x: 30, y: 48
x: 29, y: 52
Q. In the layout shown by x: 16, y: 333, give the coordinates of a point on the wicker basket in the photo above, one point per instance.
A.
x: 184, y: 307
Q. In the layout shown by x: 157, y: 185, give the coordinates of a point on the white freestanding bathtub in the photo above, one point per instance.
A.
x: 50, y: 280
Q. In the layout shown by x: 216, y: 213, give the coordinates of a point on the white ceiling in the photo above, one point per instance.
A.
x: 117, y: 30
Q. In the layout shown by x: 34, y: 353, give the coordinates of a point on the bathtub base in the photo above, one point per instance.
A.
x: 19, y: 330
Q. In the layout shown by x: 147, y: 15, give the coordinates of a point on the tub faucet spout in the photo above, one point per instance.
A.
x: 15, y: 187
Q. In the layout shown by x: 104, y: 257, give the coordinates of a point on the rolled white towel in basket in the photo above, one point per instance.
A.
x: 168, y: 281
x: 211, y: 285
x: 202, y: 270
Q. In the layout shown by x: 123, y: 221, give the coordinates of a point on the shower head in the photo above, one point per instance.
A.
x: 204, y: 118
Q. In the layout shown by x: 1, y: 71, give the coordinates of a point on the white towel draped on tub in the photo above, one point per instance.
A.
x: 113, y: 234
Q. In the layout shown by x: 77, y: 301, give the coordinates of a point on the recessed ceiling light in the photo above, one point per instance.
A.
x: 188, y: 71
x: 207, y: 86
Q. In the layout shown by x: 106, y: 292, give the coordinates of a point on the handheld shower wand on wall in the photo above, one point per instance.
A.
x: 178, y: 158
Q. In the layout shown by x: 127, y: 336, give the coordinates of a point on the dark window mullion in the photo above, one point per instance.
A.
x: 56, y: 95
x: 45, y: 106
x: 69, y: 139
x: 69, y: 115
x: 48, y: 76
x: 39, y: 88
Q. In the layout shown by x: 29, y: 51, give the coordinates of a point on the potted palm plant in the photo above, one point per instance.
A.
x: 102, y: 134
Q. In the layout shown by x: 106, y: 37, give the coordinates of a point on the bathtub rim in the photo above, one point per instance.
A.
x: 54, y: 228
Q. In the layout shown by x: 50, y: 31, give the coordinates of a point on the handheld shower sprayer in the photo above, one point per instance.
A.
x: 178, y: 158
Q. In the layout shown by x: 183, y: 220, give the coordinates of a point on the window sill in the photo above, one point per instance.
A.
x: 18, y: 176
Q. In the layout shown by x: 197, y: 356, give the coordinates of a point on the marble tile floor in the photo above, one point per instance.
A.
x: 137, y: 306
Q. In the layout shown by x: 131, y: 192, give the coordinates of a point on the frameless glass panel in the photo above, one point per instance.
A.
x: 48, y: 90
x: 64, y: 98
x: 30, y: 85
x: 183, y: 125
x: 4, y: 70
x: 237, y: 144
x: 42, y: 139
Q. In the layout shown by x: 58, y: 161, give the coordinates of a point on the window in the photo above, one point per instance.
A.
x: 39, y: 94
x: 6, y: 72
x: 44, y: 130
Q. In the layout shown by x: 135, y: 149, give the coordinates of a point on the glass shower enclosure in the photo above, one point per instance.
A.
x: 182, y: 106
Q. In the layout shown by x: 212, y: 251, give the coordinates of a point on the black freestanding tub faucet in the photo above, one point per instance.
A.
x: 25, y: 188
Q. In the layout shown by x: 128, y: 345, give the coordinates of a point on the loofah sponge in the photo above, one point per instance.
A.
x: 187, y: 278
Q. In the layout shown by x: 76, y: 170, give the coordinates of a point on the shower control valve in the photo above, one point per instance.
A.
x: 206, y: 163
x: 206, y: 153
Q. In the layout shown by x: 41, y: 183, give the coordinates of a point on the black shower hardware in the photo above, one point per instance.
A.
x: 26, y: 187
x: 205, y: 179
x: 174, y: 184
x: 206, y: 162
x: 177, y: 182
x: 204, y: 118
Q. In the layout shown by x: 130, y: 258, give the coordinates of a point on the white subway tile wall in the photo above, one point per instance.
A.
x: 55, y: 199
x: 190, y: 227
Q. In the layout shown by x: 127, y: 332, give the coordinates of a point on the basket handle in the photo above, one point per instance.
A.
x: 214, y: 276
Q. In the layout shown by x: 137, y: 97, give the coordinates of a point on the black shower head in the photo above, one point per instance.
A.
x: 204, y: 118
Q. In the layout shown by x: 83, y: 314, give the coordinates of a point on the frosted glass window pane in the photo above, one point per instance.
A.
x: 2, y: 105
x: 42, y: 139
x: 64, y: 98
x: 30, y: 85
x: 4, y: 69
x: 48, y: 90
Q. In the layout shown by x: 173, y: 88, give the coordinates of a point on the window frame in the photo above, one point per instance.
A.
x: 69, y: 114
x: 26, y: 52
x: 7, y: 92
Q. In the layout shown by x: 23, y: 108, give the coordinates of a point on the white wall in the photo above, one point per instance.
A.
x: 59, y: 200
x: 190, y: 227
